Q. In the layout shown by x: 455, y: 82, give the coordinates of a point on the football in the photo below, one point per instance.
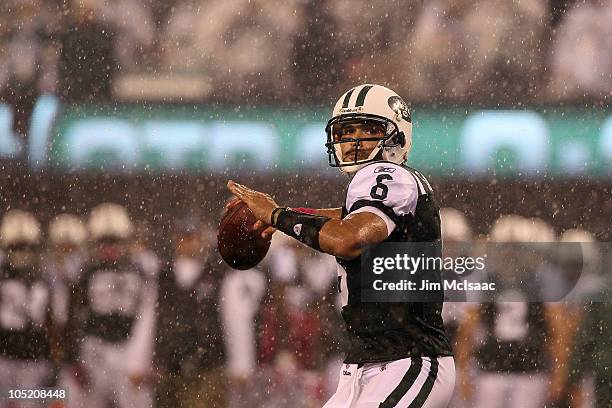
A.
x: 240, y: 246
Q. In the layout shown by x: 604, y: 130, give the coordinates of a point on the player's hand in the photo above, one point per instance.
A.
x: 234, y: 201
x: 266, y: 230
x: 260, y: 204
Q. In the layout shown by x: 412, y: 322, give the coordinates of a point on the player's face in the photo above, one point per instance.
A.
x: 22, y: 257
x: 111, y: 250
x: 64, y: 249
x: 361, y: 137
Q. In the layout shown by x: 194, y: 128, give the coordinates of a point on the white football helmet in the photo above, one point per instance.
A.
x: 370, y: 103
x: 540, y: 231
x: 509, y: 228
x: 67, y: 229
x: 589, y: 247
x: 514, y: 228
x: 577, y: 235
x: 455, y: 226
x: 110, y: 221
x: 19, y: 227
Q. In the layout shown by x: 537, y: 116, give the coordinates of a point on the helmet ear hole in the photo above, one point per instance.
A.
x: 400, y: 139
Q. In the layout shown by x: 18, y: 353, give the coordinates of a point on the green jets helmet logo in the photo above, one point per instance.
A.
x: 398, y: 106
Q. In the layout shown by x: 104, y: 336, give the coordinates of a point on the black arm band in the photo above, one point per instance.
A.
x: 303, y: 227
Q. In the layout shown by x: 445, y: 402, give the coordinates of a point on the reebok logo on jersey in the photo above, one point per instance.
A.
x: 383, y: 169
x: 344, y: 372
x: 297, y: 228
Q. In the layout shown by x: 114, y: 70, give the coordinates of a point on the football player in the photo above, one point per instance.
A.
x: 456, y: 234
x: 26, y: 326
x: 457, y: 238
x: 524, y: 340
x: 398, y: 353
x: 64, y: 259
x: 111, y: 316
x: 189, y: 354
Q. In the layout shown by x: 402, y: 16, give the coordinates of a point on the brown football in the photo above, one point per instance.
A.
x: 240, y: 246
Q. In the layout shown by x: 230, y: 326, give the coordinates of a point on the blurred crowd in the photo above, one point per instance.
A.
x: 304, y: 51
x: 98, y: 307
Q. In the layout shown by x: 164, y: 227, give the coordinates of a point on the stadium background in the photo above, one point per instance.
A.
x: 81, y: 80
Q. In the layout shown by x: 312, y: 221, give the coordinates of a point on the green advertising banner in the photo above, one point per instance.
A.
x: 449, y: 142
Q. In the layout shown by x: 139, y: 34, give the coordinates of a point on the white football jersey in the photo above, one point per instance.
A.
x: 385, y: 189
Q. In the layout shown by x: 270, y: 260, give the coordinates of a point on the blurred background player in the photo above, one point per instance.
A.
x: 65, y: 256
x: 66, y: 253
x: 27, y: 334
x: 582, y: 280
x: 241, y: 293
x: 189, y: 349
x: 456, y: 239
x: 112, y: 316
x: 522, y: 340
